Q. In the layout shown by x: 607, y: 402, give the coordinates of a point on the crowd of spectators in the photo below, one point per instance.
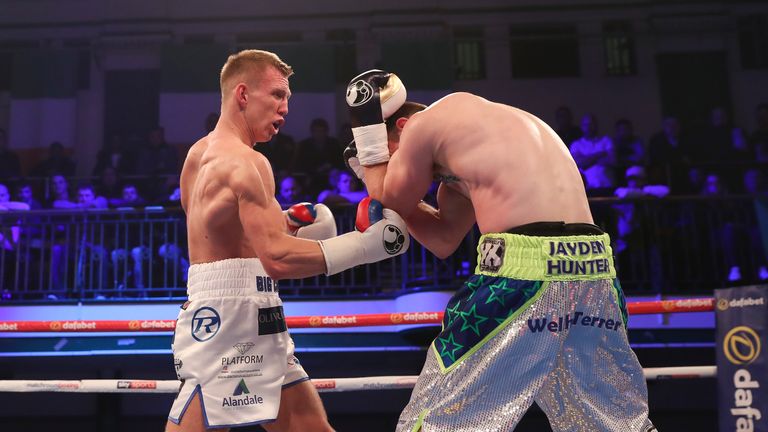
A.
x: 715, y: 159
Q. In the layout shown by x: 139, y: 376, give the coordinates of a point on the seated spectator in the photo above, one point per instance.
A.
x: 87, y: 198
x: 290, y: 192
x: 130, y: 198
x: 25, y: 194
x: 9, y: 161
x: 628, y: 147
x: 60, y: 193
x: 595, y: 156
x: 7, y: 204
x: 57, y: 162
x: 345, y: 192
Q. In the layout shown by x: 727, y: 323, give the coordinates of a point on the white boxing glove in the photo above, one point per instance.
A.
x: 310, y: 221
x: 381, y: 234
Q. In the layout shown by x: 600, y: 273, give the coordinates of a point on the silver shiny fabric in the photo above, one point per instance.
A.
x: 583, y: 374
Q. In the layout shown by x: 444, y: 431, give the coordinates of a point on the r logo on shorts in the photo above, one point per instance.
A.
x: 491, y: 254
x: 205, y: 324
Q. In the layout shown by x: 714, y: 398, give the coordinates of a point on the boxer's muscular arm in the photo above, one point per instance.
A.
x: 401, y: 183
x: 404, y: 182
x: 441, y: 231
x: 283, y: 256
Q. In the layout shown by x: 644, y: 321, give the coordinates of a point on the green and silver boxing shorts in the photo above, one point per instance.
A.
x: 543, y: 319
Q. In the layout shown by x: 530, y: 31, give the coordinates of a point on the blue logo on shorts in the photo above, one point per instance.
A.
x: 205, y: 324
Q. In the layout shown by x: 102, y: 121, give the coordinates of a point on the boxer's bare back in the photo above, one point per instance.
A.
x: 511, y: 165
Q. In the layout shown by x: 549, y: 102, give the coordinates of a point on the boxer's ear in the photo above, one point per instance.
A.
x: 400, y: 123
x: 241, y: 95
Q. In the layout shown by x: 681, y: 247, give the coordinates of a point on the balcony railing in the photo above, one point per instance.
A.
x: 671, y: 246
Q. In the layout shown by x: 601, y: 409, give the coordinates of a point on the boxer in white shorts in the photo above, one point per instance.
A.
x: 231, y: 347
x: 508, y: 171
x: 217, y: 354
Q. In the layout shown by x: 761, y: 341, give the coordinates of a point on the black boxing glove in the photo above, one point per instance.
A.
x: 372, y: 97
x: 351, y: 160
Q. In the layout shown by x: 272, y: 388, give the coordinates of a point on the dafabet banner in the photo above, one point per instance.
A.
x: 742, y: 360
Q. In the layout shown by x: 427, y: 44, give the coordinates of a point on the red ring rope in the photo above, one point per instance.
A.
x: 362, y: 320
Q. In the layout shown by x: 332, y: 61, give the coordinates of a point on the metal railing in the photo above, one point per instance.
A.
x: 676, y: 245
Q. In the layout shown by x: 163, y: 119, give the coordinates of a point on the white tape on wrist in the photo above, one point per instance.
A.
x: 372, y: 144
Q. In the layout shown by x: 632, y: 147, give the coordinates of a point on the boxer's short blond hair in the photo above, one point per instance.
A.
x: 250, y: 63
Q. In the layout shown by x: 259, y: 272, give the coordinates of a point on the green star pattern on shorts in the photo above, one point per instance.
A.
x: 497, y: 292
x: 472, y: 320
x: 473, y: 285
x: 450, y: 347
x: 452, y: 314
x: 478, y: 307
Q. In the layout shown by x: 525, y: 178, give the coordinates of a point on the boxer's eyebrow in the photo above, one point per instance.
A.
x: 282, y: 93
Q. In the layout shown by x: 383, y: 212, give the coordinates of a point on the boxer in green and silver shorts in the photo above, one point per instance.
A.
x: 543, y: 318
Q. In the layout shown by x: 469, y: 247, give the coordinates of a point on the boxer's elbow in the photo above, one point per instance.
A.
x: 441, y: 246
x: 273, y: 266
x: 276, y: 262
x: 276, y: 269
x: 444, y: 249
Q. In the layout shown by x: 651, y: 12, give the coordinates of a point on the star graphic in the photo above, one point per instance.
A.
x: 495, y: 288
x: 452, y: 314
x: 449, y: 352
x: 473, y: 286
x: 477, y: 320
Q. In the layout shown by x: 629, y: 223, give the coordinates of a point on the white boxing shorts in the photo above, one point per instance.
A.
x: 231, y: 345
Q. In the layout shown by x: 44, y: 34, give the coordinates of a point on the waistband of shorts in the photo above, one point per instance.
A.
x: 546, y: 257
x: 228, y: 278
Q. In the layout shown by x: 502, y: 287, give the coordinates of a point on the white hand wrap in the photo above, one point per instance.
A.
x: 372, y: 144
x: 385, y: 239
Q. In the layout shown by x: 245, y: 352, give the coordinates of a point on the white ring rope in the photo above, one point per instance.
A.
x: 323, y: 385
